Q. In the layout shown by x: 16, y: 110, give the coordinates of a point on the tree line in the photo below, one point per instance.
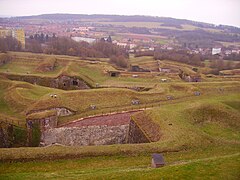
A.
x: 67, y: 46
x: 10, y: 44
x: 180, y: 56
x: 63, y: 46
x: 219, y: 65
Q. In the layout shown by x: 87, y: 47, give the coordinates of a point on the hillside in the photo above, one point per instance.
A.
x: 166, y: 21
x: 160, y: 30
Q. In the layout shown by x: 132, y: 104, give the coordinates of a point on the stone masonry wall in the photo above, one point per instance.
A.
x: 61, y: 111
x: 44, y: 123
x: 135, y: 134
x: 86, y: 135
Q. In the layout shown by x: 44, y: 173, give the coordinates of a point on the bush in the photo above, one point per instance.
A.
x: 67, y: 46
x: 120, y: 61
x: 179, y: 56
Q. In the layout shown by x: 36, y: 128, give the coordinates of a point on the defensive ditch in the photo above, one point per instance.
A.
x: 101, y: 130
x: 61, y: 82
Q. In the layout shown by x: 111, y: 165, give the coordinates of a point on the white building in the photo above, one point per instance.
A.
x: 216, y: 51
x: 79, y: 39
x: 124, y: 45
x: 132, y: 46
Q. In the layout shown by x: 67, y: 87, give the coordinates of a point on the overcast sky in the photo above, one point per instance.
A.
x: 211, y: 11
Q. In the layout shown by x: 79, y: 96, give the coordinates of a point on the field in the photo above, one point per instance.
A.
x: 199, y: 134
x: 156, y: 25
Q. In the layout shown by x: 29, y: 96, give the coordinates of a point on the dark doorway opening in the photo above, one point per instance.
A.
x: 113, y: 74
x: 75, y: 83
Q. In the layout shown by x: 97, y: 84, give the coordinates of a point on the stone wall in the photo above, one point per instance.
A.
x: 61, y: 111
x: 86, y: 135
x: 44, y: 123
x: 12, y: 136
x: 103, y: 130
x: 61, y: 82
x: 36, y: 127
x: 135, y: 134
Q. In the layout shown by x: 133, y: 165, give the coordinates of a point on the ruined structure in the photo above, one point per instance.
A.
x: 193, y: 77
x: 114, y: 73
x: 135, y: 68
x: 61, y: 82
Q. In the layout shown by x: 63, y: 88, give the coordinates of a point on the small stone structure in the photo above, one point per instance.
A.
x: 93, y: 107
x: 44, y: 123
x: 61, y: 111
x: 40, y: 122
x: 114, y: 73
x: 68, y: 83
x: 165, y: 70
x: 197, y: 93
x: 135, y: 102
x: 170, y: 97
x: 157, y: 160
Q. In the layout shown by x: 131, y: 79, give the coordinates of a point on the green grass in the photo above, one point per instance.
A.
x: 135, y: 24
x: 173, y: 137
x: 199, y: 135
x: 15, y: 97
x: 19, y: 97
x: 184, y: 165
x: 192, y: 148
x: 216, y: 130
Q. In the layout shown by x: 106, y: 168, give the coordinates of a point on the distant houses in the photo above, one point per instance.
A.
x: 106, y: 39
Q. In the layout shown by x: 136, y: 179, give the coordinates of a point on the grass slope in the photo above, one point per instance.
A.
x: 189, y: 150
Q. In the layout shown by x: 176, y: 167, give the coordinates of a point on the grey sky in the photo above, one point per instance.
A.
x: 211, y: 11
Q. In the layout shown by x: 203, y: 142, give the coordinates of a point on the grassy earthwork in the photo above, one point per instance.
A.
x: 199, y: 135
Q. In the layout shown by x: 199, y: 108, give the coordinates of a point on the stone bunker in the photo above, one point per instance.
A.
x: 101, y: 130
x: 64, y: 82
